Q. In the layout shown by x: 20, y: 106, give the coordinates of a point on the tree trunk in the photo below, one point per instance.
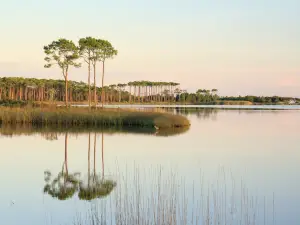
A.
x: 89, y: 160
x: 66, y: 152
x: 66, y: 87
x: 143, y: 94
x: 95, y: 140
x: 26, y: 93
x: 139, y: 94
x: 102, y: 93
x: 111, y: 96
x: 130, y: 94
x: 71, y: 95
x: 134, y: 98
x: 40, y: 94
x: 89, y: 83
x: 20, y: 93
x: 43, y: 94
x: 102, y: 155
x: 95, y: 91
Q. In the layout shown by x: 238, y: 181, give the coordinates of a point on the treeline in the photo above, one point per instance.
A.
x: 31, y: 89
x: 49, y: 90
x: 18, y: 91
x: 202, y: 96
x: 261, y: 99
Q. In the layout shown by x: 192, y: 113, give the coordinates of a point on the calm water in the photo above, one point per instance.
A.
x: 237, y: 167
x: 275, y: 107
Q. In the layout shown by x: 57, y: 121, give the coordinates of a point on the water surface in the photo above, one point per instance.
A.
x: 254, y: 107
x: 230, y: 166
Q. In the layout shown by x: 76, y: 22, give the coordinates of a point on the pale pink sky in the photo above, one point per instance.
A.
x: 238, y: 48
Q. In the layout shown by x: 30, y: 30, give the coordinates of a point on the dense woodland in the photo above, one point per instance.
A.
x: 49, y: 90
x: 31, y: 89
x: 262, y: 99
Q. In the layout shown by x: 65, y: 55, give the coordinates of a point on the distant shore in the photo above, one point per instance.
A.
x: 225, y: 107
x: 22, y: 91
x: 222, y: 105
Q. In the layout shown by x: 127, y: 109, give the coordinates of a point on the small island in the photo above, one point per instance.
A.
x: 37, y: 101
x: 94, y: 118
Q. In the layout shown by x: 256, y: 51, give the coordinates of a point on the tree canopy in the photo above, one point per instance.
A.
x: 65, y: 54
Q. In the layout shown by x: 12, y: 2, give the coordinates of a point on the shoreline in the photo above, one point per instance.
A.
x: 233, y: 107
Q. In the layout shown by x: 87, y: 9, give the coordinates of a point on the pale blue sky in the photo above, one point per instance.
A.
x: 239, y: 47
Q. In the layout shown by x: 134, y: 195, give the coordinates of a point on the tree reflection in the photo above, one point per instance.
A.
x: 97, y: 186
x: 64, y: 185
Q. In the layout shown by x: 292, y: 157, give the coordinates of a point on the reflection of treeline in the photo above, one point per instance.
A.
x: 211, y: 113
x: 52, y: 132
x: 202, y: 113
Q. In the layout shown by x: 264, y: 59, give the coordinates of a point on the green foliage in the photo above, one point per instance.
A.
x: 63, y: 53
x: 104, y: 50
x: 202, y: 96
x: 260, y: 99
x: 12, y: 103
x: 97, y: 188
x: 86, y: 48
x: 63, y: 186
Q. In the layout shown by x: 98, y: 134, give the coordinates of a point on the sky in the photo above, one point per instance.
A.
x: 239, y: 47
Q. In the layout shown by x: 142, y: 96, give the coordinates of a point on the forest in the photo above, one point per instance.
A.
x: 49, y: 90
x: 22, y: 90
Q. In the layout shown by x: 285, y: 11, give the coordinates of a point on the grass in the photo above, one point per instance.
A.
x: 76, y: 117
x: 13, y: 103
x: 163, y: 198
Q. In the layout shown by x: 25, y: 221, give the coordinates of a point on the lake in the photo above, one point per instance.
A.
x: 230, y: 167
